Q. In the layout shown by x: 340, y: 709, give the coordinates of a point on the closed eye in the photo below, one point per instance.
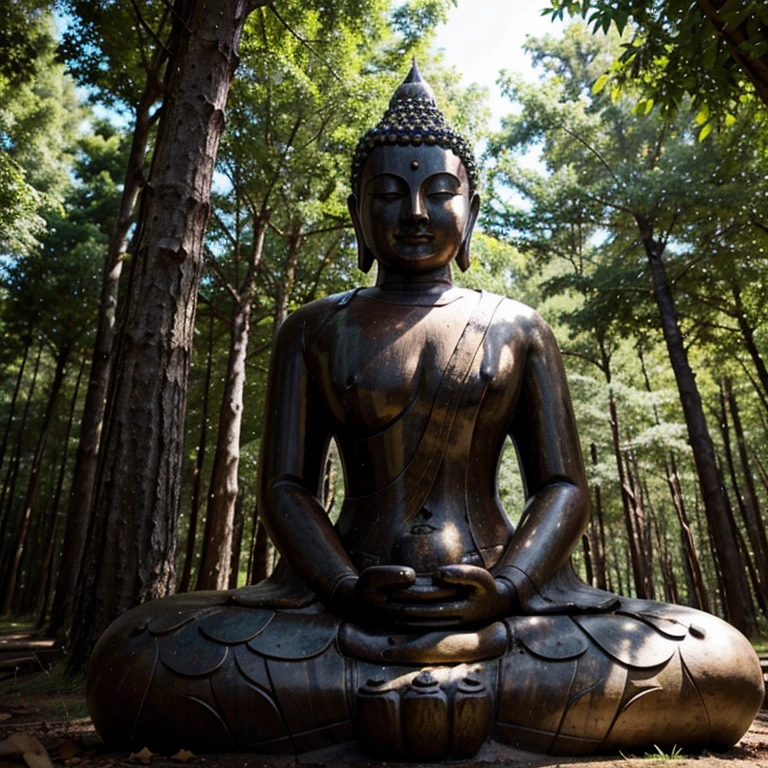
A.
x: 388, y: 195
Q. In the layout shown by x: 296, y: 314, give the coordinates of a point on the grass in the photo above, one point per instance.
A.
x: 50, y: 694
x: 676, y: 753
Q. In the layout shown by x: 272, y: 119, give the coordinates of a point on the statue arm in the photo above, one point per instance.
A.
x: 291, y: 462
x: 557, y: 497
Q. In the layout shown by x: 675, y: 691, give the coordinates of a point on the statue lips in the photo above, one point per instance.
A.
x: 415, y: 238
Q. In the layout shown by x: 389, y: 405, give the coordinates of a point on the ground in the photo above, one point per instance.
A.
x: 39, y: 702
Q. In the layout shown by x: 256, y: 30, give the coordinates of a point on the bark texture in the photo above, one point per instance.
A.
x: 132, y: 537
x: 12, y: 405
x: 86, y: 459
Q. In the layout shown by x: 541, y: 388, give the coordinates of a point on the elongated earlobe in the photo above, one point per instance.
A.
x: 364, y: 255
x: 462, y: 257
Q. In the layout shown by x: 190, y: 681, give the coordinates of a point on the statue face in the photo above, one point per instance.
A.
x: 415, y: 209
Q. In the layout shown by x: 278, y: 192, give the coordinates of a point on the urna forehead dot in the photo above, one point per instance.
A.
x: 413, y: 164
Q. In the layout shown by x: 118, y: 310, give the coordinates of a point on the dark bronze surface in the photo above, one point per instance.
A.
x: 422, y: 622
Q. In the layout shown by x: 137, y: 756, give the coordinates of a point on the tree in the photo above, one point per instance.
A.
x: 52, y: 289
x: 701, y: 49
x: 38, y: 118
x: 637, y: 182
x: 127, y: 77
x: 132, y: 535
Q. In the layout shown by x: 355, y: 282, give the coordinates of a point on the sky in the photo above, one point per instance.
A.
x: 483, y: 37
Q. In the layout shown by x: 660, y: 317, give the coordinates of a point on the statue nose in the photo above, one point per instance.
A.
x: 416, y: 210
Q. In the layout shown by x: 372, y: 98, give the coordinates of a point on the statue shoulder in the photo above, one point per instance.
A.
x: 526, y: 321
x: 312, y: 316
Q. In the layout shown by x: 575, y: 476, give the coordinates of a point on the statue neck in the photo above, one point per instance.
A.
x: 428, y: 282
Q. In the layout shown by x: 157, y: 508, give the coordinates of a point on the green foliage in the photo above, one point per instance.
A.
x: 112, y: 47
x: 411, y: 19
x: 38, y: 121
x: 672, y: 51
x: 25, y: 40
x: 606, y: 166
x: 52, y: 287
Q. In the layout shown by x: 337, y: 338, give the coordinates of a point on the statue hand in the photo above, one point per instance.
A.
x: 367, y: 597
x: 482, y: 598
x: 376, y: 584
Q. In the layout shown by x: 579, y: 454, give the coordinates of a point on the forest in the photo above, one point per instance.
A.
x: 173, y: 183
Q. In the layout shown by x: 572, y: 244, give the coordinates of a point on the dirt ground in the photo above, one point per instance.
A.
x: 46, y: 706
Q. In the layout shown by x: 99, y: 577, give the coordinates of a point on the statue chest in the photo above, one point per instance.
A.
x: 378, y: 362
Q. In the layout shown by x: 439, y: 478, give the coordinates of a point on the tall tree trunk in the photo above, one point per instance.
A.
x: 31, y: 561
x: 132, y: 536
x: 736, y: 590
x: 697, y: 593
x: 666, y: 566
x: 636, y: 556
x: 9, y: 483
x: 616, y: 560
x: 289, y: 277
x: 50, y: 529
x: 748, y: 334
x: 86, y: 459
x: 753, y: 516
x: 12, y: 406
x: 197, y: 475
x: 598, y: 543
x: 260, y: 562
x: 758, y: 577
x: 223, y: 490
x: 237, y: 543
x: 33, y: 486
x: 586, y: 546
x: 641, y: 525
x: 762, y: 472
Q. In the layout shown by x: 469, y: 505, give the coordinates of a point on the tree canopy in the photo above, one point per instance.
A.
x: 707, y: 50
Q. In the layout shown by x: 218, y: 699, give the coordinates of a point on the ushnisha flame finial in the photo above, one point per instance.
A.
x: 413, y: 118
x: 413, y: 87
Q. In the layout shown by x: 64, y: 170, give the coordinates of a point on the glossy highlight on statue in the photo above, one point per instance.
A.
x: 421, y: 624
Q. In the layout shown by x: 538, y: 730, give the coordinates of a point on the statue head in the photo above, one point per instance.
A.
x: 414, y: 201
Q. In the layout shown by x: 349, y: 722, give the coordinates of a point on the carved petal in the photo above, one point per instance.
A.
x: 551, y: 637
x: 190, y: 654
x: 232, y: 626
x: 628, y: 640
x: 295, y: 636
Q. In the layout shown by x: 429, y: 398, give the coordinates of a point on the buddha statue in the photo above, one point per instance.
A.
x: 421, y: 624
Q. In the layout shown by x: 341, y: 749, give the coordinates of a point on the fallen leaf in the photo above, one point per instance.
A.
x: 141, y: 757
x: 5, y: 716
x: 37, y: 759
x: 31, y: 750
x: 68, y: 749
x: 183, y: 756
